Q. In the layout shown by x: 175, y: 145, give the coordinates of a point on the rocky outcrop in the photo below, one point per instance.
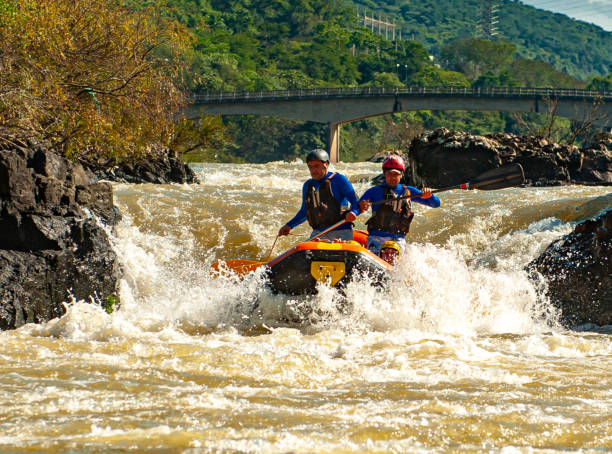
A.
x: 162, y: 167
x: 578, y: 272
x: 577, y: 269
x: 51, y: 244
x: 442, y: 158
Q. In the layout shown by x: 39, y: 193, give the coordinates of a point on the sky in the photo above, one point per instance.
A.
x: 598, y: 12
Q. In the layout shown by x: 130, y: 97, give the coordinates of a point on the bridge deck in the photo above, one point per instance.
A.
x: 335, y: 106
x: 365, y: 92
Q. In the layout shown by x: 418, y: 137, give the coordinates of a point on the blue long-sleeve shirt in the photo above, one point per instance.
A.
x: 342, y: 190
x: 377, y: 193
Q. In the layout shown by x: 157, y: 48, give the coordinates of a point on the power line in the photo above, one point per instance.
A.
x: 578, y: 10
x: 574, y: 6
x: 538, y: 4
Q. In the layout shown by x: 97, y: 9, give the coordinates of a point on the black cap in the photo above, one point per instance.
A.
x: 317, y: 155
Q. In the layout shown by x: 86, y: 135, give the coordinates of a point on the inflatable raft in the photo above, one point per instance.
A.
x: 298, y: 270
x: 301, y: 268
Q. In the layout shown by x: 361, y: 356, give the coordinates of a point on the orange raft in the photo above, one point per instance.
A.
x: 298, y: 270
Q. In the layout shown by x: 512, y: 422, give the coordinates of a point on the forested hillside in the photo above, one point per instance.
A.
x: 576, y: 48
x: 279, y: 44
x: 267, y: 44
x: 79, y: 75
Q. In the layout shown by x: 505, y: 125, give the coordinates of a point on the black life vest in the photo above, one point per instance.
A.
x: 392, y: 217
x: 322, y: 208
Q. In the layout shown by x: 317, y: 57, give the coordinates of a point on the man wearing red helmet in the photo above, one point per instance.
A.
x: 391, y: 220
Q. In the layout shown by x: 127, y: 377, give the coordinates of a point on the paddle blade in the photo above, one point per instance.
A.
x: 239, y: 267
x: 499, y: 178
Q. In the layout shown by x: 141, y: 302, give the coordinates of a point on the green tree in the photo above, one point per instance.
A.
x: 474, y: 57
x: 600, y: 83
x: 490, y: 79
x: 95, y: 80
x: 386, y: 80
x: 533, y: 73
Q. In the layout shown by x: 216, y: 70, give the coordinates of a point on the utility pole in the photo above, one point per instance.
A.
x: 378, y: 26
x: 488, y: 19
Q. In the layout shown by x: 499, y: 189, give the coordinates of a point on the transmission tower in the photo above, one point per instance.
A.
x: 488, y: 19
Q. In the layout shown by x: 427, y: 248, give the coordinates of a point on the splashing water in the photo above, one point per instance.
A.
x: 459, y: 353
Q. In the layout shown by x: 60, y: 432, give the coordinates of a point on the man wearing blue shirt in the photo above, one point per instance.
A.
x: 323, y: 199
x: 391, y: 220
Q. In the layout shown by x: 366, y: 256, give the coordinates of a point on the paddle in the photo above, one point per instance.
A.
x: 327, y: 230
x: 499, y: 178
x: 272, y: 248
x: 242, y: 267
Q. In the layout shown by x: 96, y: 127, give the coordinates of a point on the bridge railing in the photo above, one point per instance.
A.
x: 347, y: 92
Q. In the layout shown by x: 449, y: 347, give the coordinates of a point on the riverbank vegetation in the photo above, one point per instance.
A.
x: 93, y: 80
x: 262, y: 45
x: 103, y: 81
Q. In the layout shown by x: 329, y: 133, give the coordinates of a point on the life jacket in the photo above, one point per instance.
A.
x: 393, y: 217
x: 322, y: 208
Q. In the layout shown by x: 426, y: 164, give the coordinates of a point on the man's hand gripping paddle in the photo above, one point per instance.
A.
x: 242, y: 267
x: 499, y: 178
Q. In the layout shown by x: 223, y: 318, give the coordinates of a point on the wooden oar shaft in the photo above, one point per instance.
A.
x: 492, y: 181
x: 475, y: 185
x: 271, y: 249
x: 327, y: 230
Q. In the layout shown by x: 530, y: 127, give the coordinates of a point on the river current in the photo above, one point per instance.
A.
x: 460, y: 354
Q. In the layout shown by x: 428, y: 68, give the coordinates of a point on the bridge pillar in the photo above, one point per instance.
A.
x: 333, y: 143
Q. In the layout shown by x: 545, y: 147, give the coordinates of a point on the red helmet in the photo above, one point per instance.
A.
x: 394, y: 162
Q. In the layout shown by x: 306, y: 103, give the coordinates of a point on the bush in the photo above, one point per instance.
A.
x: 93, y: 79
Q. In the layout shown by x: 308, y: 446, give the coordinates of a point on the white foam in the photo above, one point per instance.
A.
x: 470, y: 285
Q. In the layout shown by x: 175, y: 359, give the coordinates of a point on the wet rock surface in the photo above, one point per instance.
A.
x: 442, y: 158
x: 578, y: 272
x: 577, y: 268
x: 162, y: 167
x: 52, y: 242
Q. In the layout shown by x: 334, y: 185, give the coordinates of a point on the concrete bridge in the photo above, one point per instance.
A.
x: 335, y: 106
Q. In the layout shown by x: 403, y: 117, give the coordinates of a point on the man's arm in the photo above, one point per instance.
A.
x: 432, y: 201
x: 371, y: 195
x: 301, y: 214
x: 343, y: 187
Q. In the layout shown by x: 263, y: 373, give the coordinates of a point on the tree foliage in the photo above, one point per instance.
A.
x: 104, y: 80
x: 534, y: 73
x: 600, y: 83
x: 94, y: 79
x: 571, y: 46
x: 474, y: 57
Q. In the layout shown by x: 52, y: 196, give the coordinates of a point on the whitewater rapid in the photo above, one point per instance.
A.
x: 461, y: 353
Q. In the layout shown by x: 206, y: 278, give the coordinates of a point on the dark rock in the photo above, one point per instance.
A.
x: 442, y: 158
x: 595, y: 167
x: 578, y: 271
x: 162, y: 167
x: 51, y: 247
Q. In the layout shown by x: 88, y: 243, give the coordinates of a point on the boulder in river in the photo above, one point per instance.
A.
x: 442, y: 158
x: 578, y: 272
x: 162, y: 166
x: 53, y: 245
